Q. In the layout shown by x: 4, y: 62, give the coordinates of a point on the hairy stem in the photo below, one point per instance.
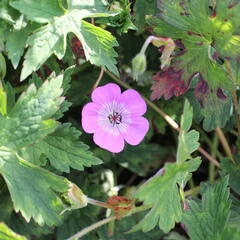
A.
x: 91, y: 228
x: 99, y: 78
x: 224, y: 143
x: 166, y: 117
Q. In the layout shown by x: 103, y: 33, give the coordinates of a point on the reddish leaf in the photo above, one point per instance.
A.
x: 168, y: 83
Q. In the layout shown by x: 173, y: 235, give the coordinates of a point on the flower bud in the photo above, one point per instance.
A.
x: 139, y: 64
x: 75, y: 198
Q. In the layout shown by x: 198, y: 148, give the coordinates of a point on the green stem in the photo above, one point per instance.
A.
x: 146, y: 43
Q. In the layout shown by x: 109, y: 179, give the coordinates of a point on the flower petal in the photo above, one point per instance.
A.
x: 108, y: 141
x: 134, y: 102
x: 136, y: 130
x: 90, y: 116
x: 106, y: 94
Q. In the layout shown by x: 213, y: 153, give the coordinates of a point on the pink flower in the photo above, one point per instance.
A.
x: 114, y: 117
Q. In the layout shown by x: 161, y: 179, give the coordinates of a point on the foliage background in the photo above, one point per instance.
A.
x: 47, y: 76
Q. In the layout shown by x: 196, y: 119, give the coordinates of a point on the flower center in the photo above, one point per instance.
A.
x: 115, y: 118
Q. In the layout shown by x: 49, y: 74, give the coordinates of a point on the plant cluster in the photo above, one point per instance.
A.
x: 119, y: 119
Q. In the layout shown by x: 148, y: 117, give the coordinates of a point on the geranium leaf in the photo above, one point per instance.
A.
x: 212, y: 212
x: 34, y: 191
x: 63, y: 149
x: 29, y: 120
x: 51, y: 38
x: 161, y: 191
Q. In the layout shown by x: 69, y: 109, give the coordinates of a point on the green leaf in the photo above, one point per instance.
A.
x: 122, y: 20
x: 200, y: 33
x: 92, y: 5
x: 63, y: 150
x: 15, y: 44
x: 187, y: 141
x: 186, y: 119
x: 143, y: 8
x: 29, y: 121
x: 161, y: 190
x: 6, y: 13
x: 7, y: 234
x: 40, y: 11
x: 162, y: 193
x: 216, y: 112
x: 233, y: 170
x: 98, y: 45
x: 207, y: 219
x: 34, y: 191
x: 51, y: 39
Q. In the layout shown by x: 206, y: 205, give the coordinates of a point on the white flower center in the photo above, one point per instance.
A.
x: 114, y: 118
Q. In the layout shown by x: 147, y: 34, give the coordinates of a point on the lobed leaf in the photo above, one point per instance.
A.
x: 35, y: 192
x: 29, y: 121
x: 162, y: 193
x: 63, y: 149
x: 207, y: 219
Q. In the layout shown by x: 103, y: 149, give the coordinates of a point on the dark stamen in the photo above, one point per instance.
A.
x: 115, y: 118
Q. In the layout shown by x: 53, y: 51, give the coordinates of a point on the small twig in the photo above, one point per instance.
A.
x: 167, y: 118
x: 99, y: 79
x: 224, y: 143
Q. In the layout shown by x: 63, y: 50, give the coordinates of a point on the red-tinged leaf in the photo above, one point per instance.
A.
x: 202, y: 92
x: 168, y: 83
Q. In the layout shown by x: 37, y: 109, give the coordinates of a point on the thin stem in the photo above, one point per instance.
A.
x: 208, y: 156
x: 99, y: 203
x: 166, y: 117
x: 99, y: 79
x: 235, y: 98
x: 96, y: 225
x: 91, y: 228
x: 146, y: 43
x: 224, y: 143
x: 105, y: 221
